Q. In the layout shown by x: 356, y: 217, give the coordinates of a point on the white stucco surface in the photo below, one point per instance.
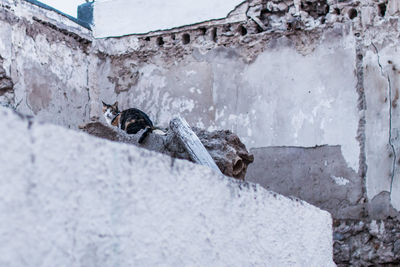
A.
x: 123, y: 17
x: 283, y: 98
x: 68, y: 199
x: 383, y: 126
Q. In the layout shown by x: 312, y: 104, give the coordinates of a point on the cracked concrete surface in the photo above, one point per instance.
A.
x: 387, y: 86
x: 390, y: 104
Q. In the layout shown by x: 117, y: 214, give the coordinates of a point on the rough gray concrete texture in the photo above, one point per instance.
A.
x: 225, y: 147
x: 70, y: 199
x: 318, y: 175
x: 366, y: 243
x: 293, y: 73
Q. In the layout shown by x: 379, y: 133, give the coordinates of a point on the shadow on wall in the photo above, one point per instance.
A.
x: 318, y: 175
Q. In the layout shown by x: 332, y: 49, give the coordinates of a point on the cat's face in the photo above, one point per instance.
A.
x: 110, y: 111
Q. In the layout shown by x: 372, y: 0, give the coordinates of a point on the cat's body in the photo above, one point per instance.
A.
x: 131, y: 120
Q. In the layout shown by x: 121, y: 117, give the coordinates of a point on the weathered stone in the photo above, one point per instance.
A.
x: 366, y: 243
x: 228, y: 152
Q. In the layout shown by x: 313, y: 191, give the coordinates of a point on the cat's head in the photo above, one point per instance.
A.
x: 110, y: 111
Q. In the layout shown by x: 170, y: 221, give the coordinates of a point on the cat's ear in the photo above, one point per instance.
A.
x: 115, y: 105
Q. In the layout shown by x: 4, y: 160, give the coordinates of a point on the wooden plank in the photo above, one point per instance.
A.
x: 196, y: 150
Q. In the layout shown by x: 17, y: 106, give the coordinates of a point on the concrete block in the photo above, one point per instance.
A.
x: 69, y: 199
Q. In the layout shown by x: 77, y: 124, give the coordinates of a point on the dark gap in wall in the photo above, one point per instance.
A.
x: 265, y: 13
x: 214, y: 36
x: 289, y: 26
x: 185, y: 38
x: 160, y: 41
x: 316, y: 8
x: 173, y: 37
x: 353, y: 13
x: 382, y: 9
x: 147, y: 39
x: 323, y: 20
x: 242, y: 30
x: 337, y: 11
x: 227, y: 28
x: 259, y: 29
x: 203, y: 31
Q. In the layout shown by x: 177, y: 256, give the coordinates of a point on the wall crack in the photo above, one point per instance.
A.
x: 362, y: 106
x: 394, y: 155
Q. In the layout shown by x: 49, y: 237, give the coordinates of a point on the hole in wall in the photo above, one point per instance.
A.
x: 147, y: 39
x: 227, y: 28
x: 242, y: 30
x: 160, y: 41
x: 214, y: 35
x: 382, y: 9
x: 337, y: 10
x: 173, y: 37
x: 203, y: 31
x: 353, y: 13
x: 185, y: 38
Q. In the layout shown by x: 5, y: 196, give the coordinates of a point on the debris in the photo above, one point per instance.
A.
x: 225, y: 147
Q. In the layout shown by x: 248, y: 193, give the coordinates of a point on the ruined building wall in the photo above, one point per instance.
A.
x: 311, y: 87
x: 302, y: 82
x: 46, y: 56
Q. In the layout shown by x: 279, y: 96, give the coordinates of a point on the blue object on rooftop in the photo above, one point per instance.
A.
x: 85, y: 12
x: 78, y: 21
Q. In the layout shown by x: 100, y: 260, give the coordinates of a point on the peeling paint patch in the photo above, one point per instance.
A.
x: 376, y: 229
x: 340, y: 180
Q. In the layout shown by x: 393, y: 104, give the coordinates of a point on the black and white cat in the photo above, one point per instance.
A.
x: 131, y: 120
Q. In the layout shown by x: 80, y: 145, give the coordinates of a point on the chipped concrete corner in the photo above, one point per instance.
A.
x: 309, y: 85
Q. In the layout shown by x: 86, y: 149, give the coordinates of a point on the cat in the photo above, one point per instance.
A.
x: 131, y: 120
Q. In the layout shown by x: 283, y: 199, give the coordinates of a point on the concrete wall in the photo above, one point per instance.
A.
x: 289, y: 77
x: 124, y: 17
x: 68, y: 199
x: 280, y: 96
x: 304, y: 75
x: 320, y: 175
x: 46, y: 56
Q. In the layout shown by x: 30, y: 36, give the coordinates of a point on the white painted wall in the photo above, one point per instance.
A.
x: 123, y: 17
x: 283, y: 98
x: 69, y: 199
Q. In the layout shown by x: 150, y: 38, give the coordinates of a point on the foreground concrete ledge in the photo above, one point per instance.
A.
x: 69, y: 199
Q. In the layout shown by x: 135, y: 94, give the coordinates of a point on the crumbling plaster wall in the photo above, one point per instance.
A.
x: 220, y: 88
x: 46, y: 56
x: 292, y: 75
x: 301, y: 74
